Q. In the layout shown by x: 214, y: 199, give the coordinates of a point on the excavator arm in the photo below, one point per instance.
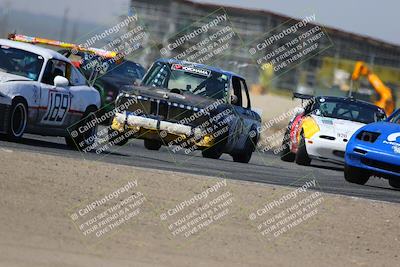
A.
x: 385, y: 100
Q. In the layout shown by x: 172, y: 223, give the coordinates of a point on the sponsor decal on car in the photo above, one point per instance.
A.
x: 180, y: 67
x: 393, y: 137
x: 396, y: 149
x: 327, y: 121
x: 392, y: 140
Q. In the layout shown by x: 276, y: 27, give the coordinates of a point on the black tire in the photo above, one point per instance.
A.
x: 286, y: 154
x: 301, y: 156
x: 18, y: 120
x: 214, y: 152
x: 117, y: 138
x: 394, y: 182
x: 87, y: 138
x: 245, y: 155
x: 70, y: 142
x: 355, y: 175
x: 152, y: 144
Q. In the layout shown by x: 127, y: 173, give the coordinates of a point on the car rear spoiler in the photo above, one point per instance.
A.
x: 37, y: 40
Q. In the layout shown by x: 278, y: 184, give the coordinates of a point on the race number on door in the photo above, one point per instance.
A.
x: 57, y: 109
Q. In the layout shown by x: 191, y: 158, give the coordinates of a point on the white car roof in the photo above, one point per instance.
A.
x: 41, y: 51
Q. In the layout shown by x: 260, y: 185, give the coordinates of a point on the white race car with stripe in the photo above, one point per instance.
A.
x: 41, y: 92
x: 322, y: 130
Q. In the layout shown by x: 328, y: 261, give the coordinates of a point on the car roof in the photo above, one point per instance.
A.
x: 198, y: 65
x: 41, y: 51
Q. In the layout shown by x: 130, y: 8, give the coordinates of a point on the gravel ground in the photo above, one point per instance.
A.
x: 40, y: 192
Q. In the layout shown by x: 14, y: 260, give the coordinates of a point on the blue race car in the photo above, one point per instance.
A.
x: 374, y: 150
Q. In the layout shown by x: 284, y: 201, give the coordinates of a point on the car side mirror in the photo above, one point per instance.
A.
x: 60, y: 81
x: 234, y: 100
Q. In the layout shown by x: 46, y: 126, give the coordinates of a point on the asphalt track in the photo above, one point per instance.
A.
x: 263, y: 167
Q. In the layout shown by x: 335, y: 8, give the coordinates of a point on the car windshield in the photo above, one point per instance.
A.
x: 191, y: 79
x: 126, y: 69
x: 346, y: 110
x: 20, y: 62
x: 396, y: 118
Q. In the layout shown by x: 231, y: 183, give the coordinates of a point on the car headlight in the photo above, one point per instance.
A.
x: 367, y: 136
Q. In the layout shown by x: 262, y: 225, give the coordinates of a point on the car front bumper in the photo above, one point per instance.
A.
x: 152, y: 128
x: 374, y: 161
x: 325, y: 149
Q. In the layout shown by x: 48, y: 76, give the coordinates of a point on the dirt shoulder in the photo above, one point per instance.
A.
x: 40, y: 192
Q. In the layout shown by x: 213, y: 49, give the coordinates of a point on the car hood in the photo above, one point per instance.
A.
x: 389, y: 138
x: 337, y: 128
x: 183, y: 98
x: 8, y: 77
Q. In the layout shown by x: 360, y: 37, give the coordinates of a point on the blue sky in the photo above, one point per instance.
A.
x: 378, y: 19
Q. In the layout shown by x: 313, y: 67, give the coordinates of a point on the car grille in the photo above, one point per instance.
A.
x: 381, y: 165
x: 178, y: 114
x: 164, y: 110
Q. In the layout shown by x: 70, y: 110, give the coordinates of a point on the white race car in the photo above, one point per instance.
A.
x: 322, y: 130
x: 41, y: 92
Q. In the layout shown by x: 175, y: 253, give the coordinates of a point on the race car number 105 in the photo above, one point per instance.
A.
x: 57, y: 109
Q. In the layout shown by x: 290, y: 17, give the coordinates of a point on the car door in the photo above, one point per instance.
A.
x: 79, y: 93
x: 55, y: 102
x: 244, y: 116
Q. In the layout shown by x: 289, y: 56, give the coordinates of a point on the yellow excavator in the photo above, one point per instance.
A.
x: 386, y: 100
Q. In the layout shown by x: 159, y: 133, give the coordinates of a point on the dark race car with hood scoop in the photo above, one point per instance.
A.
x: 189, y: 106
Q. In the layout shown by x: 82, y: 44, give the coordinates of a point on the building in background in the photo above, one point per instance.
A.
x: 323, y: 71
